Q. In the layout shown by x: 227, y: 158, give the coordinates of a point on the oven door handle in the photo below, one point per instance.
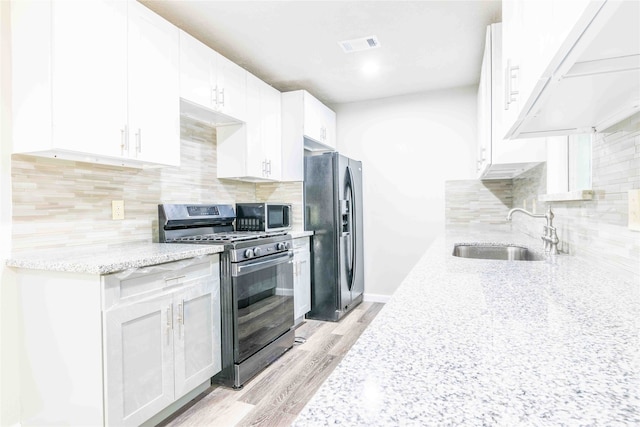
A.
x: 240, y: 269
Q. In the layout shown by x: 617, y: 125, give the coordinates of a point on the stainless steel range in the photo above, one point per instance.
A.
x: 256, y: 285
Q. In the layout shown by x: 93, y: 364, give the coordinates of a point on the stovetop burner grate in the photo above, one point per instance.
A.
x: 227, y: 237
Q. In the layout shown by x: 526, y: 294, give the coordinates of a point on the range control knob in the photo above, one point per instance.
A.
x: 281, y: 246
x: 248, y: 253
x: 257, y: 251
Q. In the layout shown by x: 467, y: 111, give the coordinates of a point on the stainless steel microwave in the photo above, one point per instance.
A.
x: 263, y: 216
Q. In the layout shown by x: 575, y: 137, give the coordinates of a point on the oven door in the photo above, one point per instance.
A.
x: 262, y: 302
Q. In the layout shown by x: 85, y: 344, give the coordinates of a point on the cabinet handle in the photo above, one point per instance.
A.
x: 169, y: 318
x: 264, y: 168
x: 168, y: 279
x: 139, y: 141
x: 269, y: 167
x: 122, y: 145
x: 222, y: 97
x: 181, y: 315
x: 126, y: 138
x: 214, y: 101
x: 510, y: 95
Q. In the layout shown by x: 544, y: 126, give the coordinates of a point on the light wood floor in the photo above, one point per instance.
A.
x: 276, y: 396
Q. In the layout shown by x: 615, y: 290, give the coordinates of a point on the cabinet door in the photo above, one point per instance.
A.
x: 271, y: 129
x: 154, y: 87
x: 328, y: 126
x: 485, y: 111
x: 231, y: 83
x: 197, y: 67
x: 302, y: 282
x: 197, y: 334
x: 512, y: 22
x: 312, y: 121
x: 89, y: 76
x: 139, y: 361
x: 255, y: 155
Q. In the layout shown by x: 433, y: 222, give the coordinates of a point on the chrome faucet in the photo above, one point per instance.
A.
x: 550, y: 237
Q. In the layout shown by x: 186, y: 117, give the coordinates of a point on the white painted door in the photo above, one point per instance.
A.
x: 271, y: 129
x: 231, y: 83
x: 328, y: 126
x: 197, y: 62
x: 197, y: 334
x: 139, y: 365
x: 302, y: 277
x: 89, y: 76
x: 255, y: 161
x: 312, y: 122
x: 154, y: 87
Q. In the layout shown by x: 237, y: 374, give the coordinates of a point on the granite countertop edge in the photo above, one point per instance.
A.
x: 300, y: 233
x: 107, y: 259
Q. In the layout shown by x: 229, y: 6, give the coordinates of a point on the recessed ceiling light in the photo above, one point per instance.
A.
x: 356, y: 45
x: 370, y: 68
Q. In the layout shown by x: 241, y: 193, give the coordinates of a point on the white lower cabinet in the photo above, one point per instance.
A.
x: 164, y: 345
x: 131, y: 347
x: 139, y: 361
x: 301, y: 278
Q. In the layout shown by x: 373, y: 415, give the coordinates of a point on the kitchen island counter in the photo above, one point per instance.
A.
x: 106, y: 259
x: 484, y: 342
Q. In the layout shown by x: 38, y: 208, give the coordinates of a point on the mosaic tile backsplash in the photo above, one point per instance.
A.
x: 596, y: 230
x: 58, y: 202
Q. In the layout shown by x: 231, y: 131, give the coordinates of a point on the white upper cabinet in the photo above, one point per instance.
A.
x: 213, y: 88
x: 154, y: 87
x: 570, y: 66
x: 307, y: 124
x: 499, y: 158
x: 319, y: 123
x: 252, y: 151
x: 95, y: 81
x: 89, y: 110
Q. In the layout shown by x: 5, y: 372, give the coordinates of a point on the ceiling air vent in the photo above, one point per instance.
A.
x: 356, y: 45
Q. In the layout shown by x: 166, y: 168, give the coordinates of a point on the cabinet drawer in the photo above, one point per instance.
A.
x: 136, y: 284
x: 301, y: 244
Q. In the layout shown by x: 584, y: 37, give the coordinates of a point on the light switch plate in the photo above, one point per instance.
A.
x: 117, y: 209
x: 634, y: 210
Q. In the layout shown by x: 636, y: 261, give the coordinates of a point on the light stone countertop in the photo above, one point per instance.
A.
x: 106, y: 259
x: 480, y: 342
x: 300, y: 233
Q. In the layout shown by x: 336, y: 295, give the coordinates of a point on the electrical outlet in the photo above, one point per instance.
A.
x: 117, y: 209
x: 634, y: 210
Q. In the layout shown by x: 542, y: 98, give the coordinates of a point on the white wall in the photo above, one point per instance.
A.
x: 9, y: 380
x: 409, y: 145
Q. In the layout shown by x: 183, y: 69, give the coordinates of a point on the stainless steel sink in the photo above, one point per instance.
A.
x: 499, y: 252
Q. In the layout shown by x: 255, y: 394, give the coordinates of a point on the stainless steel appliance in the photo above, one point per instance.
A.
x: 256, y: 285
x: 263, y: 216
x: 333, y: 210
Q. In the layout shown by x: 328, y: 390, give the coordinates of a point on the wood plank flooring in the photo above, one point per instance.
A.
x: 276, y: 396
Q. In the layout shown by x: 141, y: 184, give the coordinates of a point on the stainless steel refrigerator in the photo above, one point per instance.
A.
x: 333, y: 210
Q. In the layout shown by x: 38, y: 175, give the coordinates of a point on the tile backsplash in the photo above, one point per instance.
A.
x: 59, y: 202
x: 596, y: 230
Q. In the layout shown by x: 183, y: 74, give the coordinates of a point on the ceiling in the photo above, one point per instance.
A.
x: 424, y: 45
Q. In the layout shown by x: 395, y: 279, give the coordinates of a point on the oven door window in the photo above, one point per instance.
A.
x: 263, y: 305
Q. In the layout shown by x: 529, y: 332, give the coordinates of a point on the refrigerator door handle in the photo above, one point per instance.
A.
x: 351, y: 205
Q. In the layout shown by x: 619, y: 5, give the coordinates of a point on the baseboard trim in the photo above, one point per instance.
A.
x: 376, y: 298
